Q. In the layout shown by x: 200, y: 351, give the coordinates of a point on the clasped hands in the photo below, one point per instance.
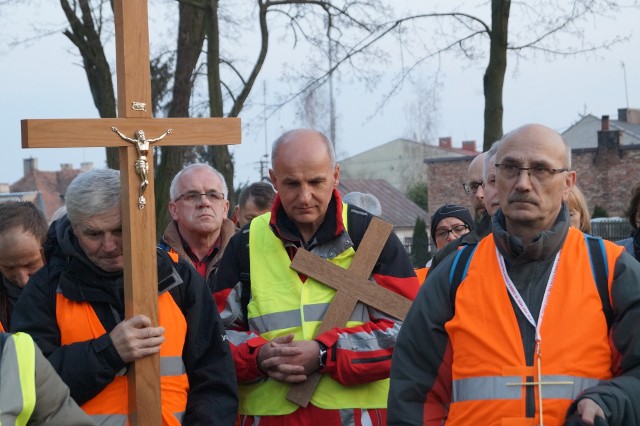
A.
x: 287, y: 360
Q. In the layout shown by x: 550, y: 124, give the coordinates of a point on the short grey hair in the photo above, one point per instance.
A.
x: 490, y: 155
x: 92, y: 193
x: 173, y: 189
x: 366, y: 202
x: 292, y: 133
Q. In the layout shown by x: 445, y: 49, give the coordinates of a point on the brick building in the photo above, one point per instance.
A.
x: 605, y: 173
x: 50, y: 187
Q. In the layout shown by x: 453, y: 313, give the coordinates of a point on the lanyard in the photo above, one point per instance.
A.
x: 513, y: 291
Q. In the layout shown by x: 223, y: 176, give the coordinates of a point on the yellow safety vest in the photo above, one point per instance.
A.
x: 281, y: 304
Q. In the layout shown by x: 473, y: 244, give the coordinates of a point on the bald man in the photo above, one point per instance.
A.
x: 271, y: 313
x: 473, y: 185
x: 516, y: 328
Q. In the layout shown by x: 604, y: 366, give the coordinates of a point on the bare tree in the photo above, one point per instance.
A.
x: 229, y: 83
x: 422, y: 111
x: 552, y: 28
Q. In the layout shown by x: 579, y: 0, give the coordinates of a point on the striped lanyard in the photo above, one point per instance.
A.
x: 513, y: 291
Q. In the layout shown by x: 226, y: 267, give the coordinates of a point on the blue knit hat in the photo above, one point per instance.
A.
x: 450, y: 210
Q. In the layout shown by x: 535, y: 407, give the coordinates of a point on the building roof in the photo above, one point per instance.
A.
x: 407, y: 142
x: 397, y: 209
x: 584, y: 133
x: 34, y: 197
x: 51, y: 185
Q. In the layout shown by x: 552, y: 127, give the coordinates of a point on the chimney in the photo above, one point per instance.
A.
x: 30, y: 165
x: 607, y: 138
x: 629, y: 115
x: 66, y: 166
x: 4, y: 188
x: 469, y: 145
x: 86, y: 166
x: 445, y: 142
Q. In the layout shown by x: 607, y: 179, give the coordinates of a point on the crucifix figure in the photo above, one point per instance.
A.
x: 352, y: 286
x: 138, y: 224
x: 142, y: 163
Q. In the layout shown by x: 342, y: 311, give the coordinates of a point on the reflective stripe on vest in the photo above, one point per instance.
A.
x: 281, y: 304
x: 487, y: 345
x: 78, y: 322
x: 503, y: 387
x: 17, y: 372
x: 292, y: 319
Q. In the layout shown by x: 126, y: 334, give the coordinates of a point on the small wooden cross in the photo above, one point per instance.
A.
x: 352, y: 286
x: 138, y: 220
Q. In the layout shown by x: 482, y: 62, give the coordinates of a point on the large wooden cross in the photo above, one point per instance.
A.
x: 352, y: 286
x: 138, y: 218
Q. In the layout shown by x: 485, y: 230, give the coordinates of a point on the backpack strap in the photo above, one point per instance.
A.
x: 600, y: 270
x: 459, y: 269
x: 244, y: 264
x: 357, y: 222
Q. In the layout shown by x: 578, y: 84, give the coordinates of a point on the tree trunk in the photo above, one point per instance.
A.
x: 85, y: 37
x: 495, y: 72
x: 218, y: 156
x: 191, y: 33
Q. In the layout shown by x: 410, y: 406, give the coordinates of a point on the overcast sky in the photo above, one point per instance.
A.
x: 44, y: 80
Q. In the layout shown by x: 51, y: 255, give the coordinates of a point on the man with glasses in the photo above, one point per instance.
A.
x: 473, y: 186
x: 74, y: 309
x: 489, y: 197
x: 535, y: 322
x: 200, y: 229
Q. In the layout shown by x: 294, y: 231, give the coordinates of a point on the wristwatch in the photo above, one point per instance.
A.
x: 322, y: 356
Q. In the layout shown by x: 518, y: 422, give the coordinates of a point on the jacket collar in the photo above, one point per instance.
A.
x: 173, y: 239
x: 544, y: 245
x: 285, y: 229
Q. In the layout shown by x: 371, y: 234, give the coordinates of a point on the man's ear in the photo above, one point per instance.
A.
x: 569, y: 183
x: 274, y: 180
x: 336, y: 175
x: 173, y: 210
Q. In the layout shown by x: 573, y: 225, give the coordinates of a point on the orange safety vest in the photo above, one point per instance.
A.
x: 421, y: 273
x: 78, y: 322
x: 488, y: 357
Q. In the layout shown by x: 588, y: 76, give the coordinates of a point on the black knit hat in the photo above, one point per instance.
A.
x: 450, y: 210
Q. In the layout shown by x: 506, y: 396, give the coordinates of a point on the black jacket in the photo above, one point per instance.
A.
x: 87, y: 367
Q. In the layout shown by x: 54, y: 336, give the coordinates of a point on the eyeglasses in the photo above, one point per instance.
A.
x: 471, y: 187
x: 457, y: 231
x: 540, y: 173
x: 194, y: 196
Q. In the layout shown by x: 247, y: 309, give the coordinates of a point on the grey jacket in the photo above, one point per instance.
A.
x: 53, y: 405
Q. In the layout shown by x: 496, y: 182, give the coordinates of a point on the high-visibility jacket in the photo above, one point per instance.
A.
x: 281, y: 304
x: 18, y: 368
x: 488, y: 357
x: 78, y: 322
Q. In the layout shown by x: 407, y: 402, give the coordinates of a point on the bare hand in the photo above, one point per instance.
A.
x: 588, y: 409
x: 290, y: 361
x: 135, y: 338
